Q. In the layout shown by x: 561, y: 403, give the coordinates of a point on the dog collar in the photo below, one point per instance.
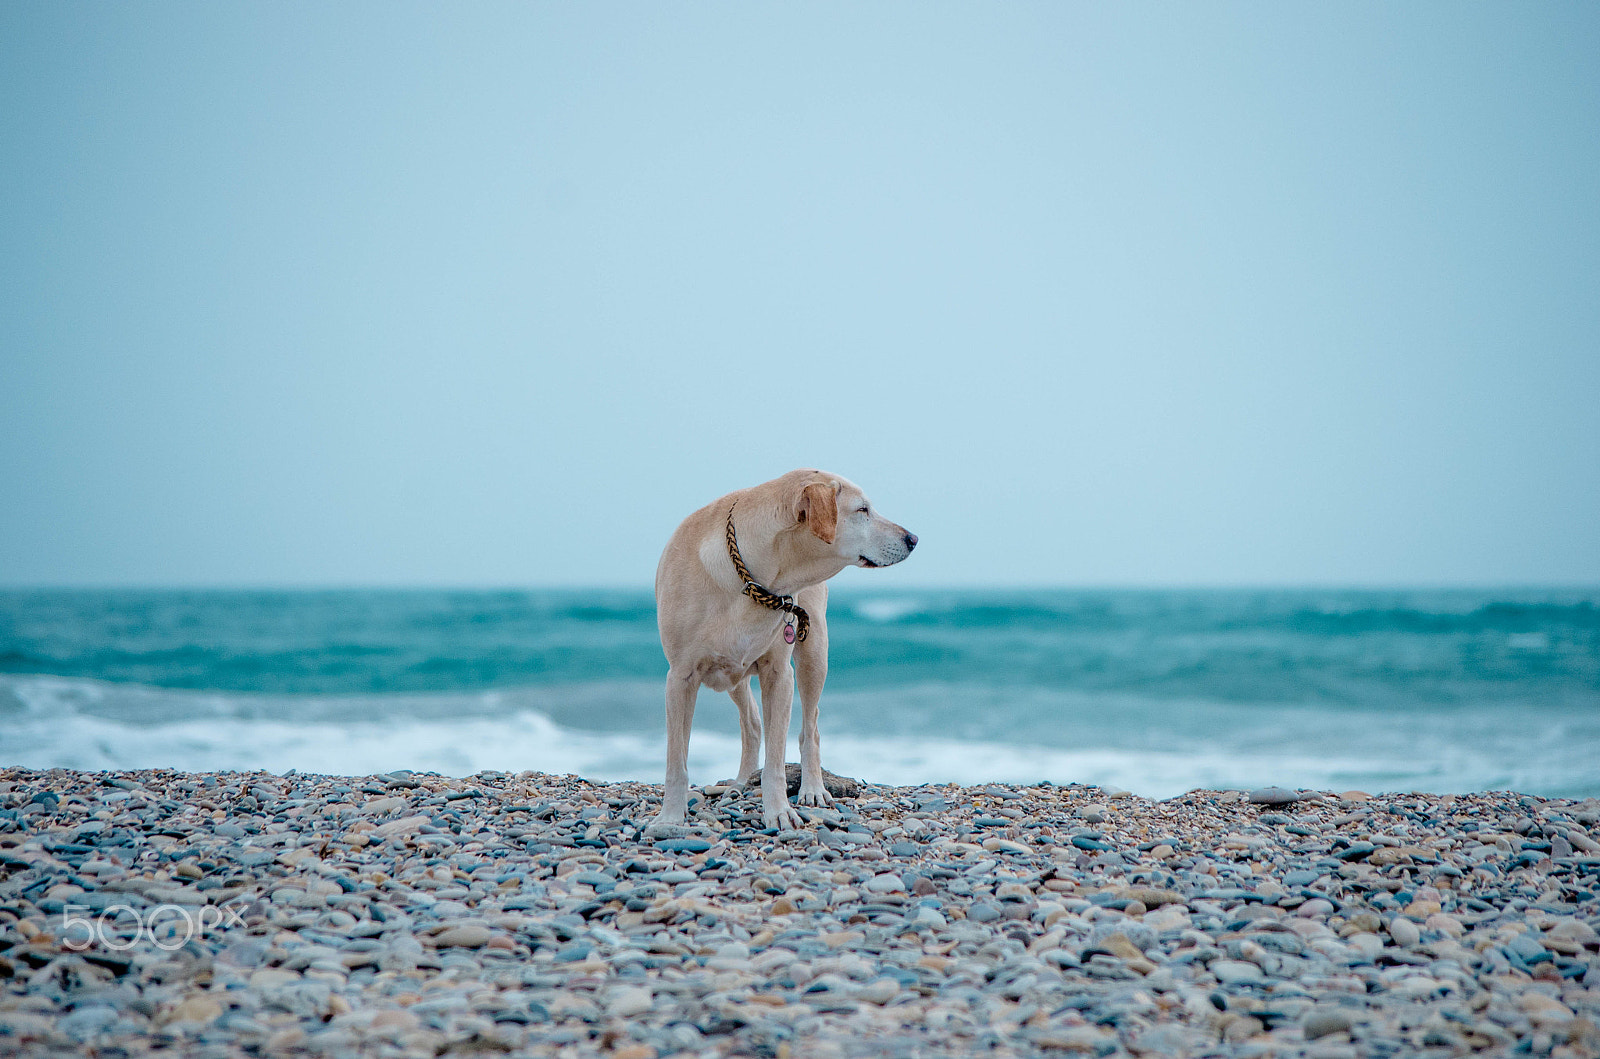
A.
x: 768, y: 599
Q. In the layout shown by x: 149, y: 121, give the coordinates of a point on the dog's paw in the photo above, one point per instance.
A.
x: 665, y: 826
x: 783, y: 819
x: 817, y: 796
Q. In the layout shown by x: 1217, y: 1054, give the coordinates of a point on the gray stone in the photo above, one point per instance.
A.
x: 628, y: 1001
x: 841, y: 839
x: 1404, y: 932
x: 1527, y: 947
x: 675, y: 877
x: 879, y: 990
x: 1236, y: 972
x: 468, y: 936
x: 87, y: 1022
x: 1321, y: 1021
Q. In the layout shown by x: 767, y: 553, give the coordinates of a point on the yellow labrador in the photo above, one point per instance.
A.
x: 721, y: 624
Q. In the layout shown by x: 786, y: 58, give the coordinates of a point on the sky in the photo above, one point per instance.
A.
x: 1083, y: 294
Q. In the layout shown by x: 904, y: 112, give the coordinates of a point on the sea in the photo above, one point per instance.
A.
x: 1153, y: 692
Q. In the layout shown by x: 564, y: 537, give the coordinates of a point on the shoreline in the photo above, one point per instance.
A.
x: 414, y: 914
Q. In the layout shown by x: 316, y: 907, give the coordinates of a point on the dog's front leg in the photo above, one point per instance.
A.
x: 811, y: 672
x: 777, y: 698
x: 682, y: 688
x: 812, y: 790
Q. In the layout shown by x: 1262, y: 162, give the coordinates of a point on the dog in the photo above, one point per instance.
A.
x: 740, y: 589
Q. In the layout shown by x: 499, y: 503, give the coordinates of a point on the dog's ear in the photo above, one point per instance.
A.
x: 819, y: 509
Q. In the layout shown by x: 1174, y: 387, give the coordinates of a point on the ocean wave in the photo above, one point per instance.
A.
x: 888, y: 609
x: 1341, y: 646
x: 1509, y: 619
x: 52, y: 722
x: 528, y: 740
x: 604, y: 705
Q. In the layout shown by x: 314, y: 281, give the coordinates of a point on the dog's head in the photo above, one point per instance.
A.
x: 838, y: 514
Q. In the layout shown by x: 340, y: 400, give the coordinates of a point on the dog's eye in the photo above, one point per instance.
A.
x: 862, y: 510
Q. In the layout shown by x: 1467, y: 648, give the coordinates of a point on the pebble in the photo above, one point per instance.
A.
x: 418, y: 914
x: 1236, y: 972
x: 880, y: 990
x: 1404, y: 932
x: 629, y: 1001
x: 1320, y: 1022
x: 470, y: 936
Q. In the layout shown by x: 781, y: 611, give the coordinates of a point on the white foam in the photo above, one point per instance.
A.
x: 460, y: 747
x: 887, y: 610
x: 56, y: 722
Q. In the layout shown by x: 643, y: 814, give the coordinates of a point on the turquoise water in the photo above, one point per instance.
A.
x: 1152, y: 691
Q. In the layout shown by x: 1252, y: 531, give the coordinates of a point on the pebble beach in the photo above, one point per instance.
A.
x: 233, y: 914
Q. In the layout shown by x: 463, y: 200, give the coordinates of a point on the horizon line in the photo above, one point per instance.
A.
x: 998, y: 586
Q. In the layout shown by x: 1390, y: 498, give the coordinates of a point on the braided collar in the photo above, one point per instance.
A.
x: 768, y: 599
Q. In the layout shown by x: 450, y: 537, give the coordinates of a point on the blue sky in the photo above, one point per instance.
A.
x: 1083, y: 294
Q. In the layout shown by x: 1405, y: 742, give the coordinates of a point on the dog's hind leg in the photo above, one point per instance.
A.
x: 749, y: 730
x: 682, y: 688
x: 811, y: 672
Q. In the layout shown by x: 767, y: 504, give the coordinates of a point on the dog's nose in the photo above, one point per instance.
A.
x: 911, y: 541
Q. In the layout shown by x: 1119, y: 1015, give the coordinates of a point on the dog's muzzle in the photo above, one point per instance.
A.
x: 907, y: 542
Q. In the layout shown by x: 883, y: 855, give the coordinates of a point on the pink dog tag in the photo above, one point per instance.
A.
x: 788, y: 633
